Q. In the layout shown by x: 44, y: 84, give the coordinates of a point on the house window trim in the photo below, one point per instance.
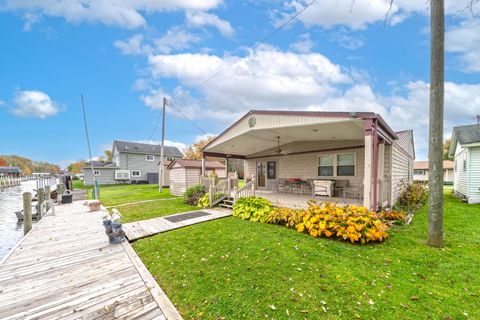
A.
x: 335, y: 165
x: 96, y: 173
x: 135, y: 176
x: 122, y: 172
x: 150, y: 155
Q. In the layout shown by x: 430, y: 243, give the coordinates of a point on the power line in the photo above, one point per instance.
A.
x: 155, y: 126
x: 170, y: 104
x: 274, y: 32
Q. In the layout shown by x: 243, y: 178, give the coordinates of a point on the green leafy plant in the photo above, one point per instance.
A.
x: 204, y: 202
x: 252, y: 208
x: 194, y: 193
x: 411, y: 196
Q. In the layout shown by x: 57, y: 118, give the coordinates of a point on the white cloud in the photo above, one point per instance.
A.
x: 29, y: 20
x: 176, y: 38
x: 33, y: 103
x: 132, y: 46
x: 201, y: 19
x: 344, y: 38
x: 304, y: 43
x: 122, y: 13
x: 464, y: 40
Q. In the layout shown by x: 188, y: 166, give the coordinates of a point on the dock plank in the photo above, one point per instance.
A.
x: 65, y: 268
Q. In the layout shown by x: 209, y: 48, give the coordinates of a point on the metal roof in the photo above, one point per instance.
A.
x: 145, y: 148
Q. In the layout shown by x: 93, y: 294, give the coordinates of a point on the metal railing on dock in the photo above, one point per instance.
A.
x: 9, y: 182
x: 46, y: 182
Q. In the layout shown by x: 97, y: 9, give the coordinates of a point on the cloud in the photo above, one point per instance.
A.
x: 132, y: 46
x: 304, y: 44
x: 176, y: 38
x: 29, y: 20
x: 464, y: 40
x: 33, y: 103
x: 121, y: 13
x: 344, y: 38
x: 201, y: 19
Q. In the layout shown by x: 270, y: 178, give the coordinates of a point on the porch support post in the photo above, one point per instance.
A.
x: 381, y: 172
x: 375, y: 166
x: 368, y: 170
x: 203, y: 165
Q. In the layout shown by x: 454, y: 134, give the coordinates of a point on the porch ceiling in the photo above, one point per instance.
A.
x: 255, y: 141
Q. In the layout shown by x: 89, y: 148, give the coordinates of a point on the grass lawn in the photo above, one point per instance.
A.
x: 231, y: 269
x: 77, y: 184
x: 112, y: 195
x: 147, y: 210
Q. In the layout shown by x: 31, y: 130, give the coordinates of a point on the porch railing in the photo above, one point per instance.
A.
x: 247, y: 190
x: 219, y: 192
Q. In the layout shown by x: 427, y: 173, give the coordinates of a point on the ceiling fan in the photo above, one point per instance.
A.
x: 277, y: 149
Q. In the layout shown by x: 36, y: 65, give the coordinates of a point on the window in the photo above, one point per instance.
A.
x: 325, y: 166
x: 464, y: 164
x: 455, y: 165
x: 136, y: 173
x: 170, y: 158
x: 150, y: 157
x: 346, y: 164
x: 419, y: 172
x: 96, y: 172
x: 271, y: 170
x: 122, y: 174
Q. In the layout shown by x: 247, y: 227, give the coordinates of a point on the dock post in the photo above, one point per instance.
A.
x: 27, y: 212
x: 47, y: 198
x: 41, y: 199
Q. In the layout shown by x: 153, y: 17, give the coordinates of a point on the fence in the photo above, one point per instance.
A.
x: 46, y: 182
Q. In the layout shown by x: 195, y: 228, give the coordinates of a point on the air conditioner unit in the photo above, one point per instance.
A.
x: 122, y: 174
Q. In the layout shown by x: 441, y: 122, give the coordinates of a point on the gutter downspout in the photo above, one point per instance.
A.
x: 375, y: 164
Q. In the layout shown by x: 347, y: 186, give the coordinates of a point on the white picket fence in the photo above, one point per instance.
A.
x: 9, y: 182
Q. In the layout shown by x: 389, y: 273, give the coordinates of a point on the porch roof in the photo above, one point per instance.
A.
x: 259, y: 133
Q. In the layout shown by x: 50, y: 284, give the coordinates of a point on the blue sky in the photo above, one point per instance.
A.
x: 124, y: 56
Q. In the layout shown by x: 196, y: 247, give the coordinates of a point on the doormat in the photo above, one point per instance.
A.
x: 187, y: 216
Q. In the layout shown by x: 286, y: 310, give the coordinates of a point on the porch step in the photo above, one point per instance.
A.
x: 227, y: 203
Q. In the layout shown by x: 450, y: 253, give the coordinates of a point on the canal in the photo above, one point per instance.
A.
x: 11, y: 230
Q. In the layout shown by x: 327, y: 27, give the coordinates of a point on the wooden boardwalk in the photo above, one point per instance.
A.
x: 145, y: 228
x: 65, y: 268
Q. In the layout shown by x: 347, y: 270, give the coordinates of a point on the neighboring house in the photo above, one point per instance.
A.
x: 131, y: 162
x: 355, y: 156
x: 420, y: 171
x: 186, y: 173
x: 7, y: 171
x: 465, y: 148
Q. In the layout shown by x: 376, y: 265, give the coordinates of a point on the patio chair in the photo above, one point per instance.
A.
x: 353, y: 192
x: 340, y: 186
x: 281, y: 184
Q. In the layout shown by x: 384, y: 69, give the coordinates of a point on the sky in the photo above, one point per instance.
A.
x: 207, y: 58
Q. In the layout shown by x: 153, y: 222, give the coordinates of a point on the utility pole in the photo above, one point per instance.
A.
x: 162, y: 169
x: 435, y: 150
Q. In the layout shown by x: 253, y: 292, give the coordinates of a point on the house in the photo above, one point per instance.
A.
x: 465, y: 148
x: 295, y: 156
x: 7, y: 171
x: 186, y: 173
x: 420, y: 171
x: 132, y: 162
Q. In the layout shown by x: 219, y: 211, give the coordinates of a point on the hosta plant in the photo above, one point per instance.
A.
x: 392, y: 215
x: 255, y: 209
x: 204, y: 202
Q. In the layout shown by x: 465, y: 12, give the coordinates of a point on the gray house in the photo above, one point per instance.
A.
x: 465, y: 148
x: 132, y: 162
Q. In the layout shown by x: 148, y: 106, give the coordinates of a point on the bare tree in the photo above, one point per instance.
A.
x: 435, y: 148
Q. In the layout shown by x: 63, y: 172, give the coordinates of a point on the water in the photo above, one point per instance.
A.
x: 11, y: 230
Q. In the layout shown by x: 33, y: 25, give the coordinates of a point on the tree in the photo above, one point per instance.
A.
x: 3, y: 162
x: 446, y: 149
x: 76, y: 167
x: 109, y: 155
x: 435, y: 149
x: 194, y: 151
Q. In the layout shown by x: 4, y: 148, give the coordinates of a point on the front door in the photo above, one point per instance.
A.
x: 261, y: 174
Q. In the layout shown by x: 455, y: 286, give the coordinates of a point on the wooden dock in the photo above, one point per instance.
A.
x: 145, y: 228
x: 65, y: 268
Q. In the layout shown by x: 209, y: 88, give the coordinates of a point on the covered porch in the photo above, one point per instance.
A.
x: 294, y: 157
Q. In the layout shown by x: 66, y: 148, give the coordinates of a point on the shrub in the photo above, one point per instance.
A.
x: 392, y: 215
x: 204, y: 201
x: 252, y: 208
x: 352, y: 223
x: 194, y: 193
x: 411, y: 196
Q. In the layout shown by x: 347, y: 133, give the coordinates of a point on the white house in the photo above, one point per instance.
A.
x: 294, y: 156
x: 465, y: 147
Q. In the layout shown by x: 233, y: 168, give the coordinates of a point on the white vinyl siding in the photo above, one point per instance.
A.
x: 107, y: 176
x: 461, y: 175
x: 402, y: 162
x: 474, y: 175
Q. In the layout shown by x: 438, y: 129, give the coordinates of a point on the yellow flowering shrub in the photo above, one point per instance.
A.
x: 392, y: 215
x: 350, y: 223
